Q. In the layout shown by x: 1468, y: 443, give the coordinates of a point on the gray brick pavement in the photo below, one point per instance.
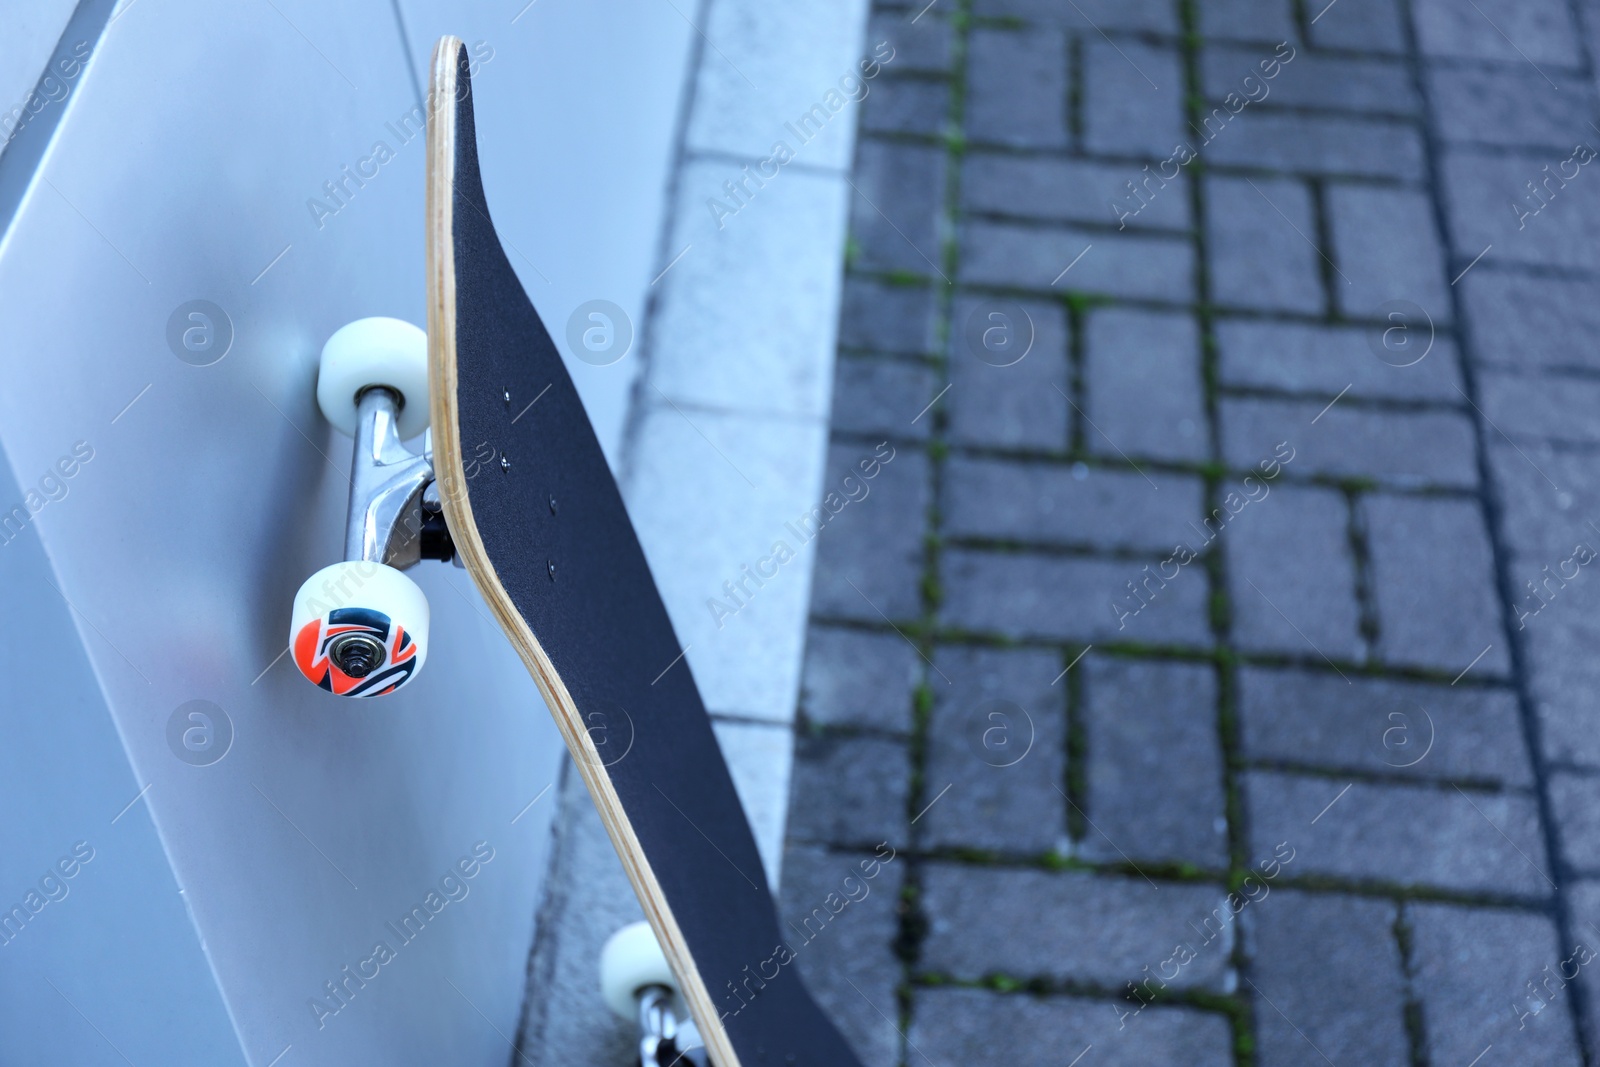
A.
x: 1387, y: 248
x: 1028, y: 595
x: 1142, y: 803
x: 1379, y: 735
x: 1009, y: 399
x: 1282, y: 601
x: 1129, y: 264
x: 1472, y: 972
x: 887, y: 318
x: 1072, y: 926
x: 1261, y: 253
x: 876, y: 397
x: 1017, y: 88
x: 861, y: 679
x: 1509, y: 106
x: 1375, y: 26
x: 1072, y: 190
x: 1435, y: 608
x: 1403, y: 835
x: 1142, y: 382
x: 1335, y: 145
x: 1318, y: 359
x: 1328, y: 981
x: 1534, y: 31
x: 1381, y: 726
x: 1133, y: 99
x: 1532, y: 322
x: 899, y: 191
x: 979, y: 1026
x: 1334, y: 83
x: 1057, y: 504
x: 850, y: 790
x: 1412, y: 449
x: 848, y: 959
x: 996, y: 752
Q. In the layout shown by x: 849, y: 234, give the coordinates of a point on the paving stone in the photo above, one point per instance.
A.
x: 1551, y: 407
x: 847, y: 959
x: 1142, y: 803
x: 1036, y: 257
x: 1334, y: 83
x: 1399, y: 448
x: 869, y: 559
x: 923, y: 46
x: 1017, y: 88
x: 1546, y: 498
x: 1548, y: 592
x: 881, y: 397
x: 1530, y: 322
x: 993, y: 401
x: 1564, y: 676
x: 850, y: 791
x: 1517, y: 31
x: 887, y: 318
x: 895, y: 206
x: 1510, y: 106
x: 1488, y: 202
x: 1583, y: 902
x: 970, y: 1026
x: 1260, y: 235
x: 1382, y: 725
x: 906, y: 105
x: 1247, y: 20
x: 1023, y: 595
x: 996, y: 754
x: 1407, y: 835
x: 1387, y: 248
x: 1280, y: 603
x: 1294, y: 357
x: 1133, y: 98
x: 1152, y: 15
x: 1433, y: 581
x: 1573, y: 796
x: 1318, y: 144
x: 1359, y: 25
x: 1328, y: 981
x: 1078, y: 505
x: 1068, y: 925
x: 858, y: 678
x: 1470, y: 969
x: 1073, y: 190
x: 1142, y: 380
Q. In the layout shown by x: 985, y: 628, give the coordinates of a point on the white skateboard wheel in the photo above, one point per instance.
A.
x: 630, y: 961
x: 369, y: 352
x: 359, y: 629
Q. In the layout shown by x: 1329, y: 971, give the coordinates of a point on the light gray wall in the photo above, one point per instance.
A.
x: 181, y: 170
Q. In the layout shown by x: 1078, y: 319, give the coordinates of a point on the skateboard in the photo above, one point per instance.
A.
x: 511, y: 484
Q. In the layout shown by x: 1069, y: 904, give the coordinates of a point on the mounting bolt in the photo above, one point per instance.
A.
x: 357, y: 655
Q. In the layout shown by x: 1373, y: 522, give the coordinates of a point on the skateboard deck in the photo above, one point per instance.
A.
x: 536, y: 516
